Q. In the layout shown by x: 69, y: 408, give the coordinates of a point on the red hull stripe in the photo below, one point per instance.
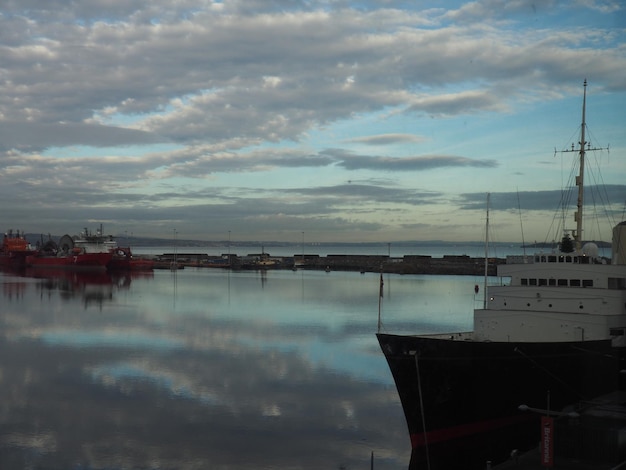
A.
x: 441, y: 435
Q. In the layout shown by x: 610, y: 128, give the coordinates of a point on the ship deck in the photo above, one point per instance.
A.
x: 459, y: 336
x: 531, y: 460
x: 590, y: 442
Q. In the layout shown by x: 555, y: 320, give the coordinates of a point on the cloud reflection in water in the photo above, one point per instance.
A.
x: 219, y: 370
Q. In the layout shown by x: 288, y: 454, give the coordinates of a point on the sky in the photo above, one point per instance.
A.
x: 323, y: 120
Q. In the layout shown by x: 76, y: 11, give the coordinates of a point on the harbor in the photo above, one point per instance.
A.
x: 313, y: 235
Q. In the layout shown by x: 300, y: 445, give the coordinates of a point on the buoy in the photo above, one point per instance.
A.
x: 476, y: 289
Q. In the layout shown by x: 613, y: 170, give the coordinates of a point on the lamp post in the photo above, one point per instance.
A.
x: 568, y: 414
x: 174, y: 265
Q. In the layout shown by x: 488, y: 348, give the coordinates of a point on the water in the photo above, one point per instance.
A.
x: 209, y: 369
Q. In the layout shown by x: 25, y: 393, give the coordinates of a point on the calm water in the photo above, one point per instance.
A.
x: 209, y: 369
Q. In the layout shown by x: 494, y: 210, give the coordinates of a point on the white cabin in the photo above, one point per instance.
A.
x: 557, y: 297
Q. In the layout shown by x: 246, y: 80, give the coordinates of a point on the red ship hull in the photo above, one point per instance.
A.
x: 72, y: 261
x: 14, y: 258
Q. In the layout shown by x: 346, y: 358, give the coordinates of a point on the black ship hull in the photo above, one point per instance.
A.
x: 461, y: 398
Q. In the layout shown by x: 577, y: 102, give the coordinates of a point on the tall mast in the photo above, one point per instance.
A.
x: 578, y: 216
x: 584, y: 146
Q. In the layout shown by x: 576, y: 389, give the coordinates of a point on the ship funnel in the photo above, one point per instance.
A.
x: 619, y: 243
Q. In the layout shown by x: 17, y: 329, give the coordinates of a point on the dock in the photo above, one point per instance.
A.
x: 408, y: 264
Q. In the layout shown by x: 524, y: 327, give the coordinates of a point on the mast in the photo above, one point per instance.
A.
x: 578, y: 216
x: 584, y: 146
x: 486, y: 254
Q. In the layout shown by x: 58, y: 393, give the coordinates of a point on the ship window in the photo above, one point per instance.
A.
x: 524, y: 282
x: 533, y: 282
x: 562, y: 282
x: 568, y: 259
x: 543, y: 259
x: 574, y: 282
x: 587, y: 282
x: 561, y: 259
x: 552, y: 259
x: 537, y: 259
x: 552, y: 282
x: 617, y: 283
x: 543, y: 282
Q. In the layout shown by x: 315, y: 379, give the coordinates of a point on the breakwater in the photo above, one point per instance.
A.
x: 409, y: 264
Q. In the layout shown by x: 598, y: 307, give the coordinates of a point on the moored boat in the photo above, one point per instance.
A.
x: 79, y: 253
x: 123, y: 259
x: 14, y: 249
x: 73, y: 259
x: 86, y: 250
x: 553, y: 336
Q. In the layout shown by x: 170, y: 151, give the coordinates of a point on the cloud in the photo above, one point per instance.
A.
x: 387, y: 139
x: 202, y: 75
x: 369, y: 192
x: 37, y: 136
x: 482, y: 9
x: 201, y: 162
x: 456, y: 103
x: 548, y: 199
x: 421, y: 163
x: 147, y: 110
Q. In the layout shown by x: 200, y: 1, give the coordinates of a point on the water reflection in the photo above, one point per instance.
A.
x: 204, y: 369
x: 93, y: 288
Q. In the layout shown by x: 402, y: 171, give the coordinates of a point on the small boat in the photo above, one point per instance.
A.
x: 14, y: 249
x: 553, y: 335
x: 123, y: 259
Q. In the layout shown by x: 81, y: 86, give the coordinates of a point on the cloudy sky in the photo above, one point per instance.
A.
x: 347, y: 121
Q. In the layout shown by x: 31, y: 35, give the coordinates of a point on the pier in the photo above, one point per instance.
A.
x: 408, y: 264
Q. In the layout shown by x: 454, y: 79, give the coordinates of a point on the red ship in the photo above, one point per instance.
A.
x: 122, y: 258
x: 86, y: 251
x: 14, y: 250
x: 66, y: 255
